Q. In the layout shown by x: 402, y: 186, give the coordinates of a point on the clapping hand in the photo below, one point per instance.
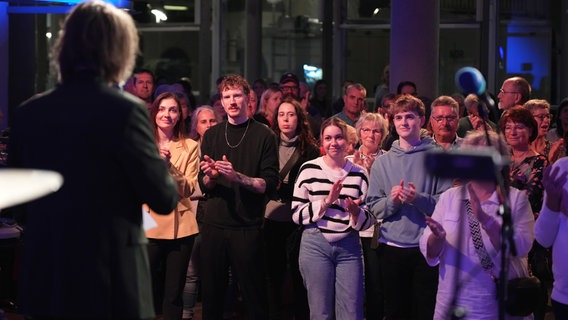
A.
x: 225, y: 168
x: 436, y: 228
x: 208, y: 167
x: 165, y: 153
x: 334, y: 191
x: 352, y: 206
x: 402, y: 194
x: 364, y: 161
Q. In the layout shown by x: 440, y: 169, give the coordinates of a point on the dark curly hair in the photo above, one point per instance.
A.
x: 303, y: 131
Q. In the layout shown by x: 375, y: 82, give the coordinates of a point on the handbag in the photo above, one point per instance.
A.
x: 523, y: 293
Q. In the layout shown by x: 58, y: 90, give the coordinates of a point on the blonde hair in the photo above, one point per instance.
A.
x: 263, y: 101
x: 351, y: 136
x: 98, y: 40
x: 374, y: 118
x: 537, y: 104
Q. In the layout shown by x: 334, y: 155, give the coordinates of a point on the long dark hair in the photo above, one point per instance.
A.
x: 303, y: 131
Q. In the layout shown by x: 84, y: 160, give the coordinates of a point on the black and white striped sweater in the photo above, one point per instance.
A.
x: 312, y: 186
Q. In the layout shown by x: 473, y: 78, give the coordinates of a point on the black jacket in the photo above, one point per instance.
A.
x: 84, y: 253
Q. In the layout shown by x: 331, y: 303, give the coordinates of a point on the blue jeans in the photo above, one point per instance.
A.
x: 333, y: 275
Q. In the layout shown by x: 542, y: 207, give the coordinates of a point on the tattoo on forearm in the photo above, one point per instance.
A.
x: 253, y: 184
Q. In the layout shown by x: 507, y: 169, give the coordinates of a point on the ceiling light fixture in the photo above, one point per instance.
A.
x: 175, y: 8
x: 160, y: 15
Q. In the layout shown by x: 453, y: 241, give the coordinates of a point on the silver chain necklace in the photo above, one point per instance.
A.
x: 227, y: 140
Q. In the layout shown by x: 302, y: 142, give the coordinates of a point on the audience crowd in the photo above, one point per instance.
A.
x: 355, y: 227
x: 294, y: 206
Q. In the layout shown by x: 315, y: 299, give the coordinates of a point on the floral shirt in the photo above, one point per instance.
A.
x: 527, y: 176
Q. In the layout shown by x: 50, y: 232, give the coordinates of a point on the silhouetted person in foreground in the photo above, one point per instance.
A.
x: 84, y: 249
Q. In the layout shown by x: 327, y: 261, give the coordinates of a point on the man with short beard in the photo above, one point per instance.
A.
x: 290, y: 86
x: 239, y: 168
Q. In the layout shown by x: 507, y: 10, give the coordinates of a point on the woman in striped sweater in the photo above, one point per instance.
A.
x: 328, y: 196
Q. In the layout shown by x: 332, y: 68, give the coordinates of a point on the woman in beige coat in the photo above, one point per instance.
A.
x: 171, y: 240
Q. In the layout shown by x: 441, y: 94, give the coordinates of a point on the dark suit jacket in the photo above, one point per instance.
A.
x: 84, y: 252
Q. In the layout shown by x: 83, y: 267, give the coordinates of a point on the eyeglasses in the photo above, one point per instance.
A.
x: 503, y: 91
x: 447, y: 118
x: 288, y: 88
x: 368, y: 130
x: 541, y: 117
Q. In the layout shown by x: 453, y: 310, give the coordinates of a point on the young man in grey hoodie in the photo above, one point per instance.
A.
x: 401, y: 193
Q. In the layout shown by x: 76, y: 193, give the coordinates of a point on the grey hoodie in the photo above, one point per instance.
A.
x: 404, y: 223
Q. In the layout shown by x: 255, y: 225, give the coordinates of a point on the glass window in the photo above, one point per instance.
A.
x: 365, y: 59
x: 366, y: 54
x: 525, y: 50
x: 233, y: 52
x: 368, y: 41
x: 373, y: 11
x: 291, y: 38
x: 174, y: 11
x: 452, y: 11
x: 169, y: 40
x: 459, y: 47
x: 525, y: 46
x: 170, y: 54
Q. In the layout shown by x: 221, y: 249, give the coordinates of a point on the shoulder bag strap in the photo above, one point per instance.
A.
x: 290, y: 163
x: 475, y: 231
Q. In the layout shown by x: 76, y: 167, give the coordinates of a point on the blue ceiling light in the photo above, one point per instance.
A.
x: 61, y: 7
